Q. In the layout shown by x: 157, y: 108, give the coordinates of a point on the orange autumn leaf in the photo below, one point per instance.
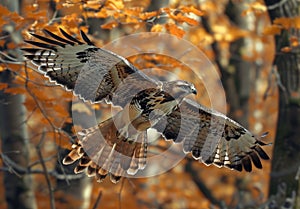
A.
x: 63, y: 141
x: 294, y: 41
x: 295, y: 95
x: 272, y: 30
x: 284, y: 21
x: 148, y: 15
x: 30, y: 104
x: 68, y: 120
x: 288, y: 22
x: 165, y: 9
x: 192, y: 10
x: 286, y: 49
x: 174, y: 30
x: 4, y: 10
x: 296, y: 22
x: 93, y: 4
x: 2, y: 42
x: 103, y: 13
x: 114, y: 4
x: 16, y: 90
x: 11, y: 45
x: 133, y: 11
x: 183, y: 19
x: 2, y: 68
x: 3, y: 86
x: 16, y: 18
x: 85, y: 29
x: 110, y: 25
x: 187, y: 20
x: 44, y: 121
x: 60, y: 110
x: 131, y: 19
x: 15, y: 67
x: 157, y: 28
x: 32, y: 12
x: 72, y: 21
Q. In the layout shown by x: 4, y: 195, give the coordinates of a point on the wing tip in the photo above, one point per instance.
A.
x: 86, y: 39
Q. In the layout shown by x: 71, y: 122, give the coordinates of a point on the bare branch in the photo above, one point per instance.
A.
x: 18, y: 170
x: 202, y: 187
x: 98, y: 200
x: 51, y: 195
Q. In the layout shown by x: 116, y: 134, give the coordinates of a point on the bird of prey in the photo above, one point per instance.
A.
x: 118, y: 145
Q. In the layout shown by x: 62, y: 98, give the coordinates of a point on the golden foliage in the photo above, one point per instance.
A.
x: 272, y: 30
x: 48, y: 106
x: 110, y: 25
x: 157, y: 28
x: 3, y: 86
x: 175, y: 30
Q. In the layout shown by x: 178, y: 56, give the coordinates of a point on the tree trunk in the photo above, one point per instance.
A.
x: 238, y: 77
x: 18, y: 189
x: 237, y: 74
x: 80, y: 188
x: 14, y: 140
x: 286, y: 155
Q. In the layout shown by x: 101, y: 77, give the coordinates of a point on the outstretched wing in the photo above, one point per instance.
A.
x: 212, y: 137
x: 92, y: 73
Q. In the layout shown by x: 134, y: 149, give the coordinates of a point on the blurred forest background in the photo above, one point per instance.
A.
x: 253, y: 44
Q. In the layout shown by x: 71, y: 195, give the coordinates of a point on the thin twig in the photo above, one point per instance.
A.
x: 98, y: 200
x: 9, y: 59
x: 36, y: 101
x: 39, y: 162
x: 62, y: 168
x: 19, y: 171
x: 202, y: 187
x: 120, y: 192
x: 51, y: 195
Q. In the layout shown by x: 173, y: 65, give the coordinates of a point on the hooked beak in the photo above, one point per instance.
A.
x: 194, y: 90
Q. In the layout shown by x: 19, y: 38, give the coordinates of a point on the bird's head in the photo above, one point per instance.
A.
x: 179, y: 89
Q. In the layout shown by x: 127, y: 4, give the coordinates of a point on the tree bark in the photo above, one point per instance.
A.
x: 237, y: 74
x: 238, y: 77
x: 80, y: 189
x: 14, y: 140
x: 286, y: 155
x: 18, y: 189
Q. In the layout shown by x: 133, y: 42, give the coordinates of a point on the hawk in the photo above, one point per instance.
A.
x: 118, y: 145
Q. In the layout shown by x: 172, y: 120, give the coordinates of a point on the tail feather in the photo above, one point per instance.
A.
x: 102, y: 150
x: 76, y: 153
x: 100, y: 176
x: 116, y: 170
x: 115, y: 179
x: 79, y: 169
x: 91, y: 170
x: 140, y: 155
